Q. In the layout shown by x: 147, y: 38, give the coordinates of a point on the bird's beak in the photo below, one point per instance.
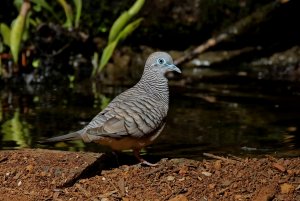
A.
x: 172, y: 67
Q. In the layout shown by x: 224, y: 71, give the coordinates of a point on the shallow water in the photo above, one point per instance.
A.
x: 223, y: 115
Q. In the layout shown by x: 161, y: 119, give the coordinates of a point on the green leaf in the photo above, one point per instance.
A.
x: 78, y: 5
x: 129, y: 29
x: 16, y: 36
x: 118, y: 33
x: 123, y: 19
x: 18, y: 4
x: 136, y: 7
x: 5, y: 32
x: 118, y: 25
x: 109, y: 49
x: 107, y: 52
x: 68, y: 12
x: 26, y: 33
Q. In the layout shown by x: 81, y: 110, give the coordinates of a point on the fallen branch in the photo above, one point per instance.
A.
x: 238, y: 28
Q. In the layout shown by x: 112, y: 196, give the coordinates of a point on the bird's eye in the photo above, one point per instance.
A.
x: 161, y: 61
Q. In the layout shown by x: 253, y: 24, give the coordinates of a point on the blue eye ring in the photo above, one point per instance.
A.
x: 160, y: 61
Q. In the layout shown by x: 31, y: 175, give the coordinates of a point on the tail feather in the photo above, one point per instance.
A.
x: 68, y: 137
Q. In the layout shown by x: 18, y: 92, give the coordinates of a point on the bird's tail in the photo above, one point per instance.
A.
x: 68, y: 137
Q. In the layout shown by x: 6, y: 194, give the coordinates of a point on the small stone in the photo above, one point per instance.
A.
x: 103, y: 178
x: 170, y: 178
x: 19, y: 183
x: 218, y: 164
x: 208, y: 174
x: 182, y: 179
x: 104, y: 199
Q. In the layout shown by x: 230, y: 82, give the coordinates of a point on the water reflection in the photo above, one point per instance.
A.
x: 253, y: 118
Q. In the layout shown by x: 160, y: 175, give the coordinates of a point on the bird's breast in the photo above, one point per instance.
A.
x: 125, y: 143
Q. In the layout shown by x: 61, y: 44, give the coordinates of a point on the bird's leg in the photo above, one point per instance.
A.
x: 143, y: 161
x: 116, y: 156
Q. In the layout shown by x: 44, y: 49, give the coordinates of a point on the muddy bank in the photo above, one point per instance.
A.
x: 36, y: 174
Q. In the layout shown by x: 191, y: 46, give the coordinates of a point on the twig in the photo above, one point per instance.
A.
x: 3, y: 159
x: 236, y: 158
x: 180, y: 191
x: 154, y: 171
x: 218, y: 157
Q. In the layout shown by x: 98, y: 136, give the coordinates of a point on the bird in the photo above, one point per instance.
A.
x: 134, y: 118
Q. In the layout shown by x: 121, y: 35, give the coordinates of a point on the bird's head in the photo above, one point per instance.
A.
x: 161, y: 62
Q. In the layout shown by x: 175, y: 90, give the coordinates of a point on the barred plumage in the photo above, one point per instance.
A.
x: 133, y: 119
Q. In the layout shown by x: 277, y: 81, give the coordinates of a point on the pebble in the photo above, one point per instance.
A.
x: 170, y: 178
x: 208, y: 174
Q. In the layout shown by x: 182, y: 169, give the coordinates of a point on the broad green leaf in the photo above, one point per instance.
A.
x: 18, y: 4
x: 118, y: 25
x: 26, y: 34
x: 16, y: 36
x: 109, y: 49
x: 118, y: 33
x: 123, y: 19
x: 68, y: 12
x: 78, y: 5
x: 136, y: 7
x: 129, y: 29
x: 5, y: 32
x: 107, y: 52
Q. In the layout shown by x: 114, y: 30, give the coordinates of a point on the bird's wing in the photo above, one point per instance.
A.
x: 113, y: 127
x: 125, y: 119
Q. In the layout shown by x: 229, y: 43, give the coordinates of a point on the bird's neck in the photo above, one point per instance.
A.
x: 156, y: 84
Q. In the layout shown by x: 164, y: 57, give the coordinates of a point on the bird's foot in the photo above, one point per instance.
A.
x: 143, y: 161
x: 148, y: 163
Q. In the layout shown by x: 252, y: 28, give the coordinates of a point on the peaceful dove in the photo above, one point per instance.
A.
x: 136, y: 117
